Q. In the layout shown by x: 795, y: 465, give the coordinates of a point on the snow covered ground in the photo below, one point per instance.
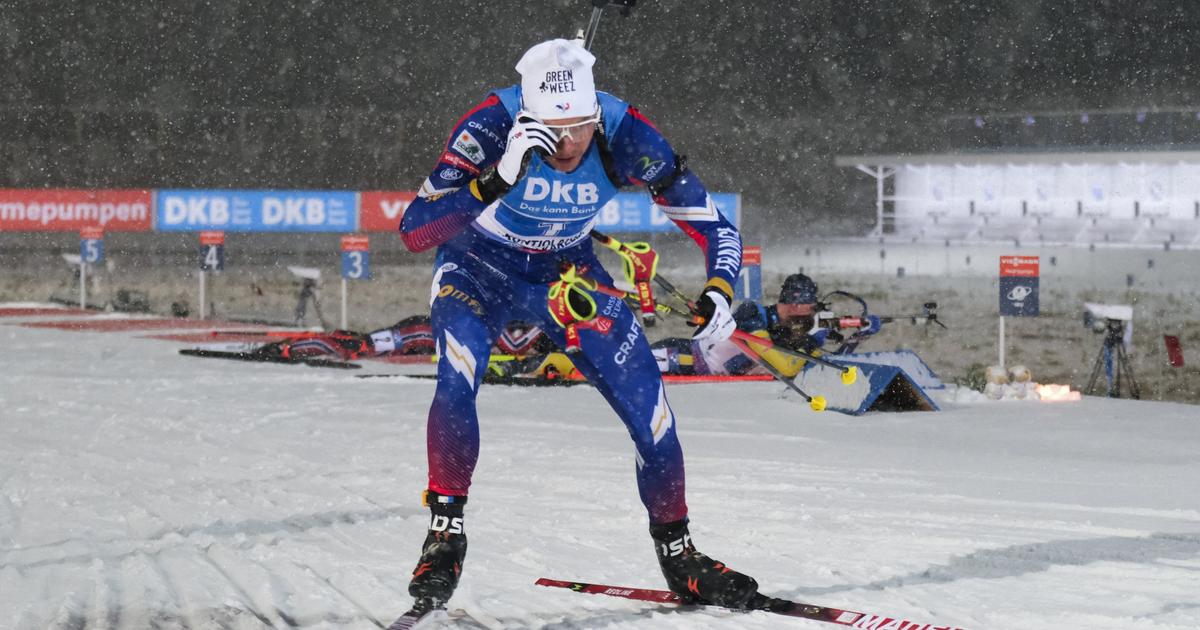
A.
x: 140, y: 488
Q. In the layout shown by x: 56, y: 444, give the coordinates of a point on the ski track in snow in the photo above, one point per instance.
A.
x: 141, y: 489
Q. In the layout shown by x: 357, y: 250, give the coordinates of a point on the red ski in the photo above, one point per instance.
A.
x: 848, y: 618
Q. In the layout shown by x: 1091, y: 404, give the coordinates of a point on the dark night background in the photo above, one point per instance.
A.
x: 761, y: 96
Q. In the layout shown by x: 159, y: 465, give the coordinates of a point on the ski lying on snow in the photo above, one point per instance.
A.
x: 266, y: 358
x: 848, y: 618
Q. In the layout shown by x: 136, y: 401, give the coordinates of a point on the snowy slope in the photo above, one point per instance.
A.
x: 139, y: 488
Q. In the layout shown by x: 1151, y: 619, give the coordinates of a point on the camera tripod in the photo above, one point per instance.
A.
x: 308, y: 291
x: 1116, y: 366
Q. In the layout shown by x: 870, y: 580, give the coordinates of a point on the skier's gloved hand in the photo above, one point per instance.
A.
x: 527, y: 135
x: 718, y: 324
x: 818, y: 337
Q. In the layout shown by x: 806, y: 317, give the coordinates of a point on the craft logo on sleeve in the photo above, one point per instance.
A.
x: 487, y: 132
x: 467, y: 145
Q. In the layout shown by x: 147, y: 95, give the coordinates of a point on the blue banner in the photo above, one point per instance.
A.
x: 212, y: 258
x: 1018, y: 297
x: 256, y: 211
x: 635, y: 212
x: 91, y: 250
x: 356, y: 265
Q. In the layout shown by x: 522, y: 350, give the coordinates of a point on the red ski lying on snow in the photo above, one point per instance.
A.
x: 848, y: 618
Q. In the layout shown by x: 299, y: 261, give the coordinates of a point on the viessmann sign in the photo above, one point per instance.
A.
x: 70, y: 210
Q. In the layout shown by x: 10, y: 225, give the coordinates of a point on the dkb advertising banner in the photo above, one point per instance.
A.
x: 67, y: 210
x: 635, y: 212
x: 256, y: 211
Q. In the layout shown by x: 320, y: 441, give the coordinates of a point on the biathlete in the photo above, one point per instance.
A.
x: 509, y: 207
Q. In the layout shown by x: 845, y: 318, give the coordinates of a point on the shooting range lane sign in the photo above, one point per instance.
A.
x: 212, y: 250
x: 91, y: 245
x: 1019, y: 286
x: 749, y: 286
x: 356, y: 252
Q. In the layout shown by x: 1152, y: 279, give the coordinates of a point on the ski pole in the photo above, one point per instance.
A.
x: 617, y: 246
x: 597, y: 10
x: 740, y: 339
x: 849, y: 374
x: 816, y: 402
x: 640, y: 263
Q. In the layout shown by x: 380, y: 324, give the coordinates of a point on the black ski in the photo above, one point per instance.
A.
x: 267, y: 358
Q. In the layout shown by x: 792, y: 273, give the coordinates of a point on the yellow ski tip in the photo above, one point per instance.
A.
x: 850, y: 375
x: 817, y: 403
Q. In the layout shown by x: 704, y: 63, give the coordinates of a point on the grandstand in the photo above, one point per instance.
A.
x: 1047, y: 193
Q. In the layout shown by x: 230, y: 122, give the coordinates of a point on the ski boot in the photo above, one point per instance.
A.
x: 697, y: 578
x: 442, y: 554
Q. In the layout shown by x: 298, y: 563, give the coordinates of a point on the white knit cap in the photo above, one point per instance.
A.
x: 556, y: 80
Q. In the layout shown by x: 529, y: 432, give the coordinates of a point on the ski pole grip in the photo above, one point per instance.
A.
x: 569, y: 304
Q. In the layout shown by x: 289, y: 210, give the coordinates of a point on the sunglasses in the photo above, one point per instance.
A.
x: 563, y: 132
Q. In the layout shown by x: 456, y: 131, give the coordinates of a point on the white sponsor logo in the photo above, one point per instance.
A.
x: 876, y: 622
x: 46, y: 213
x: 729, y: 251
x: 1019, y: 293
x: 293, y: 211
x: 611, y: 307
x: 651, y: 168
x: 441, y: 523
x: 196, y: 211
x: 467, y: 145
x: 676, y: 547
x: 631, y: 338
x: 487, y: 132
x: 450, y: 174
x: 538, y: 189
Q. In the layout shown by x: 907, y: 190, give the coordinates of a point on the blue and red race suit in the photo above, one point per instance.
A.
x: 495, y: 263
